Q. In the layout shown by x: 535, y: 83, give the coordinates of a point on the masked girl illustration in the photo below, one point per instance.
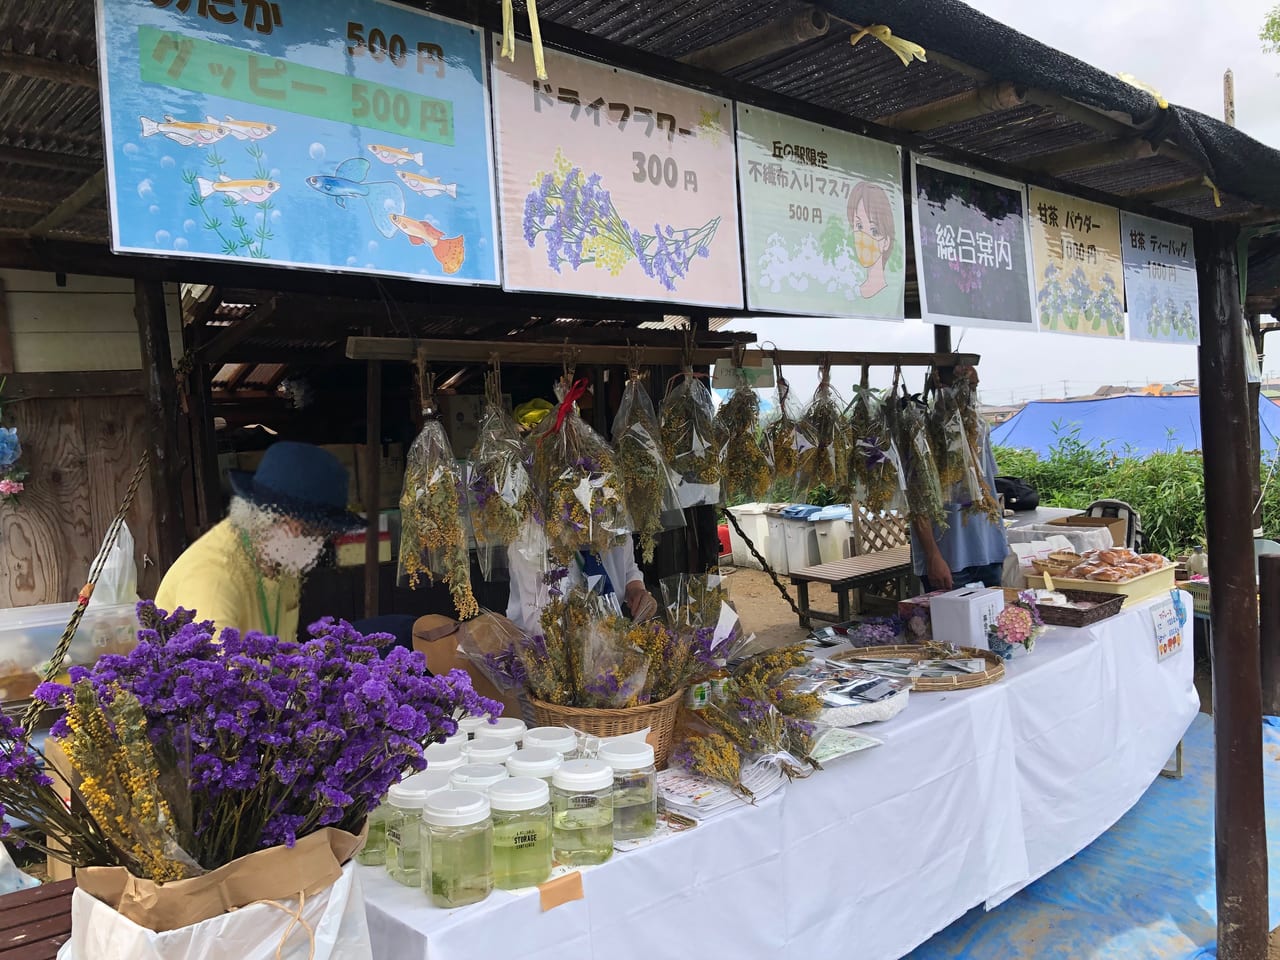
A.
x: 871, y: 218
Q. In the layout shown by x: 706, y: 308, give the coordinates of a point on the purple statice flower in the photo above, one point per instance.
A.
x: 751, y: 710
x: 701, y: 646
x: 19, y: 764
x: 506, y: 669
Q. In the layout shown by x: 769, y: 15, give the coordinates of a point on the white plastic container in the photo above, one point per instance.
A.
x: 443, y: 756
x: 486, y: 749
x: 776, y: 543
x: 471, y: 725
x: 560, y: 739
x: 477, y: 776
x: 29, y: 636
x: 801, y: 543
x: 834, y: 537
x: 755, y: 524
x: 536, y: 762
x: 962, y: 617
x: 510, y: 729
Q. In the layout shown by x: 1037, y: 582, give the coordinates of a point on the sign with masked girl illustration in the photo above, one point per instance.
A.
x: 822, y: 219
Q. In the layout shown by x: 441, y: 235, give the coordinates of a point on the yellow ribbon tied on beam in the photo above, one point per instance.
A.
x: 535, y: 36
x: 1217, y: 197
x: 1133, y: 81
x: 905, y: 49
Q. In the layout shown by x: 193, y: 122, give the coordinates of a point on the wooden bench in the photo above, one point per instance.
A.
x: 845, y: 576
x: 35, y: 923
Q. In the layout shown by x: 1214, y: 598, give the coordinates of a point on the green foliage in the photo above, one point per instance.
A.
x: 1270, y: 32
x: 1166, y: 488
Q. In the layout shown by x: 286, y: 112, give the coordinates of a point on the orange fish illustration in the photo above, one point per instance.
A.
x: 394, y: 155
x: 245, y: 129
x: 450, y: 251
x: 184, y: 132
x: 246, y: 191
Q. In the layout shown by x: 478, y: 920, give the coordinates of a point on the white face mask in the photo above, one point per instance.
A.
x: 289, y: 552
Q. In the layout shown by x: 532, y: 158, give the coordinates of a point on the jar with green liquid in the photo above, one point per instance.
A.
x: 534, y: 762
x: 582, y: 812
x: 487, y: 749
x: 560, y: 739
x: 404, y: 809
x: 374, y: 853
x: 521, y: 810
x: 457, y: 833
x: 635, y: 788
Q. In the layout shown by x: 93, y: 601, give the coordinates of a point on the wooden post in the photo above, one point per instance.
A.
x: 204, y: 445
x: 1269, y: 620
x: 161, y: 388
x: 1255, y: 425
x: 1239, y: 813
x: 941, y: 338
x: 6, y: 335
x: 371, y: 482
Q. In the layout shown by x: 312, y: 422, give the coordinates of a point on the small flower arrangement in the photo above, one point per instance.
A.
x: 12, y: 477
x: 743, y: 463
x: 499, y: 485
x: 648, y: 483
x: 1018, y: 625
x: 193, y: 751
x: 687, y: 419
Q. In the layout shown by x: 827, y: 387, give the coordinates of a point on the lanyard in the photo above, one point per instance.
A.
x: 270, y: 624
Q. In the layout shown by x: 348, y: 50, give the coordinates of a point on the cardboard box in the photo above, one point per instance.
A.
x: 60, y: 773
x: 350, y: 549
x: 1118, y: 526
x: 962, y: 617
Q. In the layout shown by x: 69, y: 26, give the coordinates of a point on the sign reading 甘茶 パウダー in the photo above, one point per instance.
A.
x: 1160, y: 280
x: 614, y: 184
x: 972, y: 250
x: 822, y: 218
x: 1075, y: 247
x: 350, y: 136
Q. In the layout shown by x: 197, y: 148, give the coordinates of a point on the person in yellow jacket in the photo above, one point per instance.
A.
x: 247, y: 571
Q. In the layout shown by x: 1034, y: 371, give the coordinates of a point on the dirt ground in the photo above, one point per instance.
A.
x: 762, y: 609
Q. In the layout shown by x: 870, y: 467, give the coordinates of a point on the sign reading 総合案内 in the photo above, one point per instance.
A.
x: 347, y: 135
x: 614, y: 184
x: 1160, y: 280
x: 822, y: 218
x: 972, y: 248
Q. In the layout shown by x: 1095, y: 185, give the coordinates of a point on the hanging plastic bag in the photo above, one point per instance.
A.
x: 433, y: 540
x: 650, y: 487
x: 118, y: 582
x: 875, y: 468
x: 577, y: 478
x: 499, y: 488
x: 823, y: 459
x: 978, y: 434
x: 957, y: 473
x: 687, y: 419
x: 780, y: 433
x: 924, y: 491
x: 744, y: 467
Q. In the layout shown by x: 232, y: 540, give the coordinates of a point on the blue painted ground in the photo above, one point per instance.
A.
x: 1143, y: 889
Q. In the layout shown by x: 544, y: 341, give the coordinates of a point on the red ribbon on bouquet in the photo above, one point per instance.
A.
x: 575, y: 393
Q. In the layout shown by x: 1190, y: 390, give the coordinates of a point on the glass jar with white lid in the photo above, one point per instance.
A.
x: 635, y: 788
x: 487, y: 749
x: 404, y: 806
x: 535, y: 762
x: 521, y: 810
x: 457, y: 833
x: 560, y: 739
x: 582, y: 812
x: 444, y: 756
x: 477, y: 776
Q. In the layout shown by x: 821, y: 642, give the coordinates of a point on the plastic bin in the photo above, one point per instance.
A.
x: 753, y: 519
x: 776, y: 553
x: 29, y: 636
x: 834, y: 529
x: 801, y: 543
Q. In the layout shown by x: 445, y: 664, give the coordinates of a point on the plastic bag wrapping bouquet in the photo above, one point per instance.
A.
x: 650, y: 488
x: 500, y: 492
x: 687, y: 419
x: 745, y: 470
x: 876, y: 478
x: 577, y: 480
x: 977, y: 433
x: 957, y: 472
x: 780, y: 435
x: 433, y: 538
x: 823, y: 450
x: 924, y: 490
x: 698, y: 605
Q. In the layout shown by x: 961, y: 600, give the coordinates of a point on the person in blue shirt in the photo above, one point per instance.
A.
x: 973, y: 546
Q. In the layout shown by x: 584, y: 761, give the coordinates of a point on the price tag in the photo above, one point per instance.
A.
x: 1168, y: 627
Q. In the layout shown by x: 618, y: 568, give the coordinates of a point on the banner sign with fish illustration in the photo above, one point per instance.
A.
x: 973, y: 251
x: 1079, y: 278
x: 1160, y: 280
x: 822, y: 219
x: 346, y: 135
x: 614, y: 184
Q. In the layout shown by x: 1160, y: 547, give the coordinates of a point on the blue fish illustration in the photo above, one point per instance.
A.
x: 383, y: 197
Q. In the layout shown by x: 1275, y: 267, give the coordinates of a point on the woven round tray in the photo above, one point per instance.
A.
x: 994, y: 671
x: 659, y: 717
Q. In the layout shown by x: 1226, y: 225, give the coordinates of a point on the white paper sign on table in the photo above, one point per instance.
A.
x: 1168, y: 628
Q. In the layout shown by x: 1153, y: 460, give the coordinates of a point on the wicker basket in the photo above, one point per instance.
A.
x: 659, y: 717
x: 1105, y: 605
x: 994, y: 671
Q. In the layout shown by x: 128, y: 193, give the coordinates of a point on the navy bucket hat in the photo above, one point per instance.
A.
x: 300, y: 481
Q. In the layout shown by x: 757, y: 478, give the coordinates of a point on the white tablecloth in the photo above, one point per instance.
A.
x: 973, y: 795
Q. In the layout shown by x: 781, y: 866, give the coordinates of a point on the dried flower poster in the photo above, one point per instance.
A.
x: 1160, y: 280
x: 1075, y: 246
x: 613, y: 184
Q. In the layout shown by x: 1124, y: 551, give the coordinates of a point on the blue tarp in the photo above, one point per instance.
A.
x: 1140, y: 425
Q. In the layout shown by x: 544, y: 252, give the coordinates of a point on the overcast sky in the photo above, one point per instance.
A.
x: 1180, y: 47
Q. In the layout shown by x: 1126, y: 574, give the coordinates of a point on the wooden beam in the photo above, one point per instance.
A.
x: 47, y: 159
x: 1191, y: 188
x: 6, y: 334
x: 24, y: 204
x: 1090, y: 155
x: 41, y: 68
x: 372, y: 482
x: 80, y: 198
x: 161, y: 397
x: 807, y: 23
x: 222, y: 344
x: 60, y: 385
x: 515, y: 351
x: 1240, y: 824
x: 978, y: 102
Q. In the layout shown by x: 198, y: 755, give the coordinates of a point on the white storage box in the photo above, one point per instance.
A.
x: 777, y: 542
x: 29, y: 636
x: 755, y: 524
x: 802, y: 543
x: 835, y: 535
x: 961, y: 617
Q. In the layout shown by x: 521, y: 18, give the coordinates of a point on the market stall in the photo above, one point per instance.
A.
x: 972, y: 796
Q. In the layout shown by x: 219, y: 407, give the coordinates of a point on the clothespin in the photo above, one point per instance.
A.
x: 905, y: 50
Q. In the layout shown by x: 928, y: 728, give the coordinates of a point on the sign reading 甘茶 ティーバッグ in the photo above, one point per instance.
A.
x: 972, y: 250
x: 349, y: 136
x: 1160, y: 280
x: 613, y: 184
x: 822, y: 218
x: 1075, y: 246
